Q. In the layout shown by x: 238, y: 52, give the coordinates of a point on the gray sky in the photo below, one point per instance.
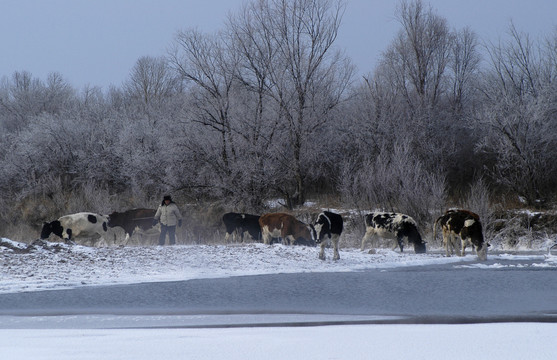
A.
x: 97, y: 42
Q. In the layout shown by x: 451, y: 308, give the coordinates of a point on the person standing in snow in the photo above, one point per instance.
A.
x: 169, y: 216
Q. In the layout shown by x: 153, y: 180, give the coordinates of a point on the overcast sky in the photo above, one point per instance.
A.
x: 97, y: 42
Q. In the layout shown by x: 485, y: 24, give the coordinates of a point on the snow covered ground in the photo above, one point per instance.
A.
x: 480, y: 341
x: 55, y: 266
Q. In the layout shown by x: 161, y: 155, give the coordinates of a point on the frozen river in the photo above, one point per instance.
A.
x: 448, y: 293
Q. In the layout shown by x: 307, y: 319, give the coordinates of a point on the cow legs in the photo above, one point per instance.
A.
x: 68, y: 239
x: 322, y: 251
x: 447, y: 241
x: 334, y: 240
x: 266, y: 236
x: 454, y: 243
x: 233, y: 233
x: 370, y: 234
x: 450, y: 243
x: 463, y: 243
x: 400, y: 242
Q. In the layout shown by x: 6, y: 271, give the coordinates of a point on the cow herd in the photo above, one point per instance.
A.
x: 401, y: 228
x: 456, y: 225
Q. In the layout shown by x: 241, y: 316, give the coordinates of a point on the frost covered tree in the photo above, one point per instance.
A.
x: 395, y: 180
x: 151, y: 81
x: 419, y: 96
x: 420, y: 54
x: 288, y: 59
x: 463, y: 69
x: 22, y: 97
x: 208, y: 70
x: 518, y: 116
x: 264, y: 88
x: 412, y: 78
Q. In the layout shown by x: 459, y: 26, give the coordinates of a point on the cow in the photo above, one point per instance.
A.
x: 240, y: 223
x: 133, y: 220
x: 466, y: 225
x: 328, y: 227
x: 395, y: 226
x: 286, y: 227
x: 80, y: 224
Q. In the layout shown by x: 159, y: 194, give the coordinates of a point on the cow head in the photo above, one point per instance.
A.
x: 321, y: 228
x: 309, y: 238
x: 414, y: 236
x: 114, y: 219
x: 51, y: 227
x: 313, y: 233
x: 482, y: 251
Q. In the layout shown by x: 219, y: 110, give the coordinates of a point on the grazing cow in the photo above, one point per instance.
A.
x: 328, y: 226
x: 393, y: 226
x: 466, y: 225
x: 240, y: 223
x: 287, y: 227
x: 69, y: 226
x: 133, y: 220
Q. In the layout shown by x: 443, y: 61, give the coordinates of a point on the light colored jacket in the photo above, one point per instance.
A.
x: 168, y: 214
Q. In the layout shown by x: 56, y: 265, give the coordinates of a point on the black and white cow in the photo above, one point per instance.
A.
x: 328, y: 227
x: 240, y: 223
x: 133, y: 220
x: 80, y: 224
x: 395, y: 226
x: 467, y: 226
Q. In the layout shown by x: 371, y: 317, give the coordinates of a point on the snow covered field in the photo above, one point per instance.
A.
x: 56, y: 266
x: 480, y: 341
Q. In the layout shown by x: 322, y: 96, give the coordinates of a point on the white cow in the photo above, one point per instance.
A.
x: 80, y: 224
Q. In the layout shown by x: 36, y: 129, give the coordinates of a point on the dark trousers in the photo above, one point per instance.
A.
x: 171, y: 231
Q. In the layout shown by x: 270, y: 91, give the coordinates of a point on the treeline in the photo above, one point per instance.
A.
x: 269, y: 107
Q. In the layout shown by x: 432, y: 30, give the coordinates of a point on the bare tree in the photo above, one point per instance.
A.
x: 151, y: 81
x: 516, y: 64
x: 464, y: 67
x: 420, y: 53
x: 413, y: 79
x: 204, y: 61
x: 288, y: 57
x: 519, y: 118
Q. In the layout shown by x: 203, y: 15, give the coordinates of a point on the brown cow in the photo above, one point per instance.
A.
x: 466, y: 225
x: 287, y: 227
